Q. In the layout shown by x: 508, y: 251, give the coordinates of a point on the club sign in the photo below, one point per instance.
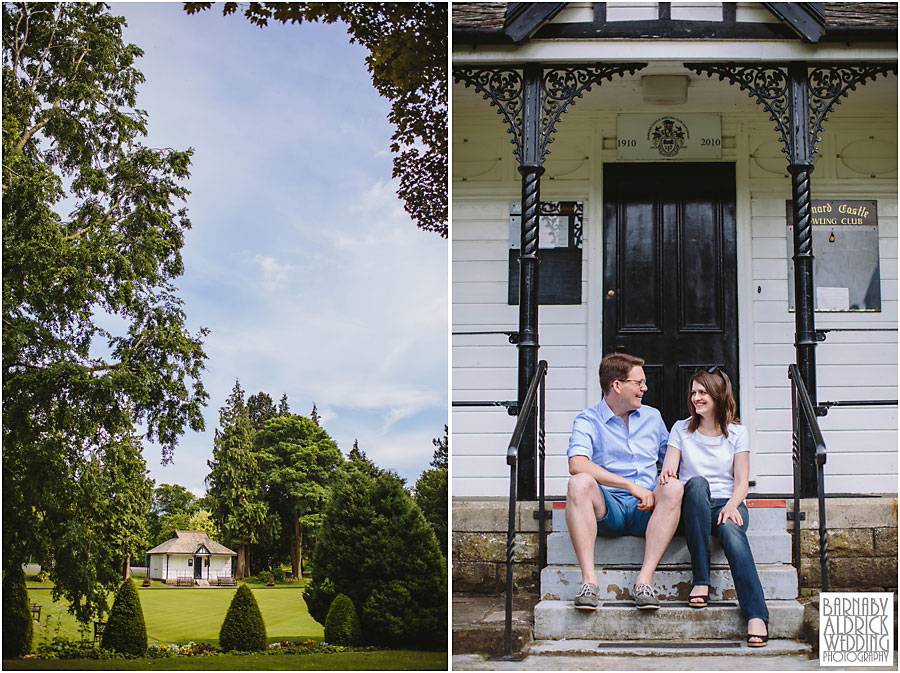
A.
x: 665, y: 137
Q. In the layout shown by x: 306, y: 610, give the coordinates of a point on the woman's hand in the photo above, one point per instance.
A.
x: 666, y: 474
x: 646, y: 497
x: 730, y: 512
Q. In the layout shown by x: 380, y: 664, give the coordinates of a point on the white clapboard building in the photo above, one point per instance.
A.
x: 660, y: 140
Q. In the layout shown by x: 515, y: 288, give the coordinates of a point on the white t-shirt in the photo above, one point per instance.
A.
x: 710, y: 457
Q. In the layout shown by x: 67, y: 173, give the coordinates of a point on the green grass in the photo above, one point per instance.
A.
x: 181, y: 615
x: 386, y: 660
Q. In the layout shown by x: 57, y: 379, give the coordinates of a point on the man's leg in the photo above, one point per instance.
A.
x: 661, y: 527
x: 584, y: 507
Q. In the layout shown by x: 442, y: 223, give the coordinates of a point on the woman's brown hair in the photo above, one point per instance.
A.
x: 718, y: 385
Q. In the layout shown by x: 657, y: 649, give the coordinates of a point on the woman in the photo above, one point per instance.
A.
x: 712, y: 450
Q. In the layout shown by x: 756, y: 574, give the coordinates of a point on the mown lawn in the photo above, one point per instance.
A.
x: 387, y: 660
x: 182, y: 615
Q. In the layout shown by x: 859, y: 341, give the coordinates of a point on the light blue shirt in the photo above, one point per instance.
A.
x: 630, y: 452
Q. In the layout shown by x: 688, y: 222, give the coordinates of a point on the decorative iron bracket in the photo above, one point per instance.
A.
x: 770, y: 84
x: 560, y: 86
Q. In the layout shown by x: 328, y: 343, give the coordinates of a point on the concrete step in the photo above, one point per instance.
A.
x: 619, y: 620
x: 770, y: 515
x: 779, y: 582
x: 768, y: 547
x: 663, y: 648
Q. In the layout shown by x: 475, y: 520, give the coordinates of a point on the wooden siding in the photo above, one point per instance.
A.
x: 862, y: 442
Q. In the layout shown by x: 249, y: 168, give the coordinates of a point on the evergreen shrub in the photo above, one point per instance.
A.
x: 125, y: 630
x: 264, y: 576
x: 376, y: 547
x: 243, y: 629
x: 342, y: 623
x: 17, y: 624
x: 278, y: 574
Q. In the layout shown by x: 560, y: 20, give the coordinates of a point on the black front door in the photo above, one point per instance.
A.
x: 198, y: 567
x: 670, y: 274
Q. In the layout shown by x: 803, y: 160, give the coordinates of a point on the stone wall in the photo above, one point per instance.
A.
x: 479, y: 545
x: 862, y: 544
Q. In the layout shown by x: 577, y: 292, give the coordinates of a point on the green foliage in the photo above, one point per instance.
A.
x: 263, y: 576
x: 298, y: 461
x: 407, y: 43
x: 441, y: 451
x: 431, y: 497
x: 17, y: 622
x: 75, y: 489
x: 243, y: 629
x: 376, y: 547
x: 235, y: 493
x: 342, y: 624
x: 171, y: 509
x: 125, y: 631
x: 278, y: 574
x: 260, y: 408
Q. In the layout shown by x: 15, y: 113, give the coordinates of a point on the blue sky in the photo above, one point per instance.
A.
x: 301, y: 261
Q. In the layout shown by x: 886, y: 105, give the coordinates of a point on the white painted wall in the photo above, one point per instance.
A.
x: 857, y: 159
x: 178, y: 566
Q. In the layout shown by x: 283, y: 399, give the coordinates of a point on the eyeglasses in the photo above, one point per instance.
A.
x: 714, y: 369
x: 641, y: 384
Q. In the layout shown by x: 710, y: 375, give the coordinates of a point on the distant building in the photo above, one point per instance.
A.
x: 190, y: 555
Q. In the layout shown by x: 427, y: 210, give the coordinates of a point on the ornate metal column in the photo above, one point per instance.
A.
x: 798, y: 101
x: 531, y: 99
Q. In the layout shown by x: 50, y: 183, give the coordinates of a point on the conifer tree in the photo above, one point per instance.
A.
x: 283, y: 409
x: 125, y: 630
x: 239, y: 509
x: 17, y: 626
x: 376, y: 547
x: 314, y: 415
x: 243, y: 629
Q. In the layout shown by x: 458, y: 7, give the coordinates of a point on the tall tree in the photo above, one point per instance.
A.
x: 407, y: 43
x: 239, y: 509
x: 441, y: 451
x: 260, y: 408
x: 298, y: 461
x: 431, y: 497
x: 314, y: 415
x: 73, y: 387
x: 171, y: 505
x: 283, y: 409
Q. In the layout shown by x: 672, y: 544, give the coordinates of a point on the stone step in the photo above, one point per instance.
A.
x: 619, y: 620
x: 770, y: 515
x: 663, y: 648
x: 767, y: 546
x: 779, y: 582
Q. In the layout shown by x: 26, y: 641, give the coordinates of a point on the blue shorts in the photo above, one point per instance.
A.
x: 622, y: 514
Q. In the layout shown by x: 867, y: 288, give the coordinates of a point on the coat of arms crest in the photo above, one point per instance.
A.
x: 667, y: 135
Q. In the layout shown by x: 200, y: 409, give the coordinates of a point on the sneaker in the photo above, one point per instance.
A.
x: 587, y: 597
x: 645, y: 597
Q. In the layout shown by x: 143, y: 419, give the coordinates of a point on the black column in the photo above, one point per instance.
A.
x: 800, y: 166
x: 530, y: 168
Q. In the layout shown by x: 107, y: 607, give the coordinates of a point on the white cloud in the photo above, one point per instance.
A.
x: 274, y: 275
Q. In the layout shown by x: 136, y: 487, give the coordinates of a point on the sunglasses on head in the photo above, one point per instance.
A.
x: 715, y: 369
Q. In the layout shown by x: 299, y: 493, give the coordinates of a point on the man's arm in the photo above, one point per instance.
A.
x: 583, y: 464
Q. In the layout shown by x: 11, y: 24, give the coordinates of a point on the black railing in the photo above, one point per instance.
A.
x: 535, y: 397
x: 802, y: 410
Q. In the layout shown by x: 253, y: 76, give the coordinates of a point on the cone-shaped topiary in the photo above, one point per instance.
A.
x: 125, y: 631
x: 243, y: 629
x: 17, y: 626
x: 342, y: 624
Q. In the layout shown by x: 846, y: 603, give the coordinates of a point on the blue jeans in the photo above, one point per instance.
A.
x: 698, y: 514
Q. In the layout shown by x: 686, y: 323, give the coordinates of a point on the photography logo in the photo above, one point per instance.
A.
x: 856, y: 629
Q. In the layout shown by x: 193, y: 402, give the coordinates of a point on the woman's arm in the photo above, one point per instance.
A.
x: 741, y: 485
x: 670, y: 464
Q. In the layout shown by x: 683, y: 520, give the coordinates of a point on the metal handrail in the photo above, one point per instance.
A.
x: 801, y: 404
x: 535, y: 388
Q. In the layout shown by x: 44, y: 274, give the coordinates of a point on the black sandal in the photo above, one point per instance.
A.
x: 763, y: 640
x: 699, y: 601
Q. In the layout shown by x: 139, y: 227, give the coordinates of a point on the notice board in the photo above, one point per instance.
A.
x: 846, y: 269
x: 559, y: 251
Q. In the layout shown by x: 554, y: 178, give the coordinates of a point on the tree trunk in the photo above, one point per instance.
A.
x: 294, y: 549
x: 240, y: 567
x: 300, y: 553
x: 126, y: 568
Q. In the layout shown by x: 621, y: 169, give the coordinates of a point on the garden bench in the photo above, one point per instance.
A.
x: 184, y: 581
x: 227, y: 582
x: 98, y: 631
x: 36, y: 612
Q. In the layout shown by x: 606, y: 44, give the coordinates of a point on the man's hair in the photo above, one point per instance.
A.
x: 718, y: 385
x: 616, y: 367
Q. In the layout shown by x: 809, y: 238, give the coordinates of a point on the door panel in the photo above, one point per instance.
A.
x: 670, y: 273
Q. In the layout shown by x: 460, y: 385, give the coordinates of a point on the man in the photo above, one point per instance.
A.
x: 613, y: 490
